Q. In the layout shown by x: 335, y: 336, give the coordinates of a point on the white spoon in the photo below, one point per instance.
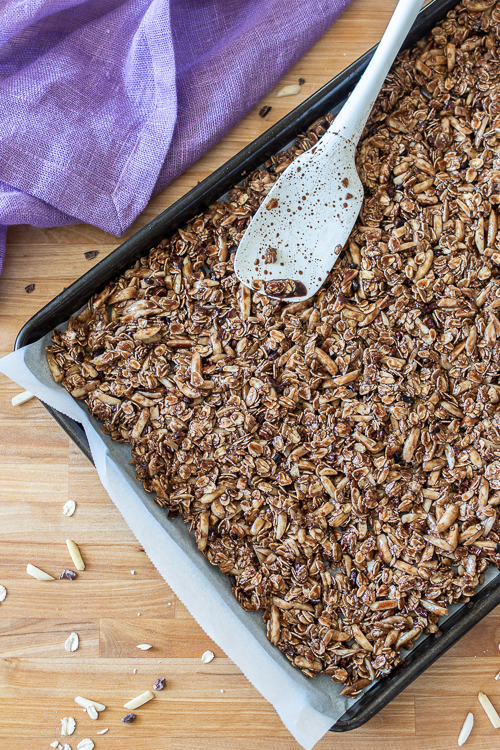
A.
x: 295, y: 237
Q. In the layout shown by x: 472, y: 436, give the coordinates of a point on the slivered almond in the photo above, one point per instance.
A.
x: 490, y: 710
x: 140, y: 700
x: 40, y: 575
x: 75, y: 553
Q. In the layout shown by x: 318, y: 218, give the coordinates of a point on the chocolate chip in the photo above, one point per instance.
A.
x: 30, y: 288
x: 159, y: 684
x: 69, y: 574
x: 91, y: 254
x: 129, y: 718
x: 302, y: 81
x: 264, y: 111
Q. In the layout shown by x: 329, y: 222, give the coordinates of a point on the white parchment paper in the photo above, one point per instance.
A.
x: 308, y: 708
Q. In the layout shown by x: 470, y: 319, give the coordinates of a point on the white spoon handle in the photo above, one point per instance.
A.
x: 352, y: 118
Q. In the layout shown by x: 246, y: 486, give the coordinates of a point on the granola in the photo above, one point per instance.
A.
x: 338, y: 459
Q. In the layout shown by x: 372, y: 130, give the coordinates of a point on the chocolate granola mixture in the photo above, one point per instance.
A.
x: 338, y: 459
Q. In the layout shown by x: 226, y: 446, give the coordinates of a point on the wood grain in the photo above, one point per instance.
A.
x: 40, y: 469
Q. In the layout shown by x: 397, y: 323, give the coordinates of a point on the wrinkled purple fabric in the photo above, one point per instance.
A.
x: 104, y: 102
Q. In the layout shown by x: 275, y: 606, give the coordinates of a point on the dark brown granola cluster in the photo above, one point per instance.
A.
x: 338, y: 459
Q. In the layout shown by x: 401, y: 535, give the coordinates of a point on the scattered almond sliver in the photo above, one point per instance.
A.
x: 40, y: 575
x: 21, y: 398
x: 489, y: 709
x: 466, y: 729
x: 68, y: 725
x: 76, y: 555
x: 69, y: 508
x: 103, y: 731
x: 72, y: 642
x: 140, y: 700
x: 85, y: 703
x: 3, y: 593
x: 144, y: 646
x: 207, y: 657
x: 54, y: 744
x: 289, y: 90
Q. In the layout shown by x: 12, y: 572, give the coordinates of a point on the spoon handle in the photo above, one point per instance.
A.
x: 352, y: 118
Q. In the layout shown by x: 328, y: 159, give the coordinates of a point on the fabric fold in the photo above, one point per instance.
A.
x: 104, y: 102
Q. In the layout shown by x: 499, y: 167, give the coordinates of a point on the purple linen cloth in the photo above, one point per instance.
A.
x: 104, y: 102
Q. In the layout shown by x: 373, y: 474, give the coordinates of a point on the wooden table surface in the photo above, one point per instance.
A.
x: 204, y: 707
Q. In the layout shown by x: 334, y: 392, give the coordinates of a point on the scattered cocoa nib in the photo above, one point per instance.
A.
x: 91, y: 254
x: 264, y: 111
x: 30, y: 288
x: 159, y: 684
x: 69, y: 574
x: 302, y: 81
x: 129, y: 718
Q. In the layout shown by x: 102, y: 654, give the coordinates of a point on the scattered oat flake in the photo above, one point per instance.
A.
x: 21, y: 398
x: 290, y: 90
x: 30, y: 288
x: 207, y: 657
x: 85, y: 744
x: 68, y: 725
x: 91, y: 254
x: 144, y: 646
x: 92, y: 712
x: 103, y: 731
x: 3, y: 593
x: 69, y: 508
x: 67, y: 747
x: 72, y: 642
x: 40, y: 575
x: 60, y: 747
x: 466, y: 729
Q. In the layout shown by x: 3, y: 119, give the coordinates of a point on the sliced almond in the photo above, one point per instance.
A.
x: 85, y: 703
x: 69, y: 508
x: 103, y: 731
x: 68, y: 726
x: 40, y: 575
x: 140, y: 700
x: 72, y: 642
x: 76, y: 555
x: 21, y: 398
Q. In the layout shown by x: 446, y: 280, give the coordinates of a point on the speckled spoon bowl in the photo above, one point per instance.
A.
x: 295, y: 237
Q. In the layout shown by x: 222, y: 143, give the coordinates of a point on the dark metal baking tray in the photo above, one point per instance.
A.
x: 328, y: 99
